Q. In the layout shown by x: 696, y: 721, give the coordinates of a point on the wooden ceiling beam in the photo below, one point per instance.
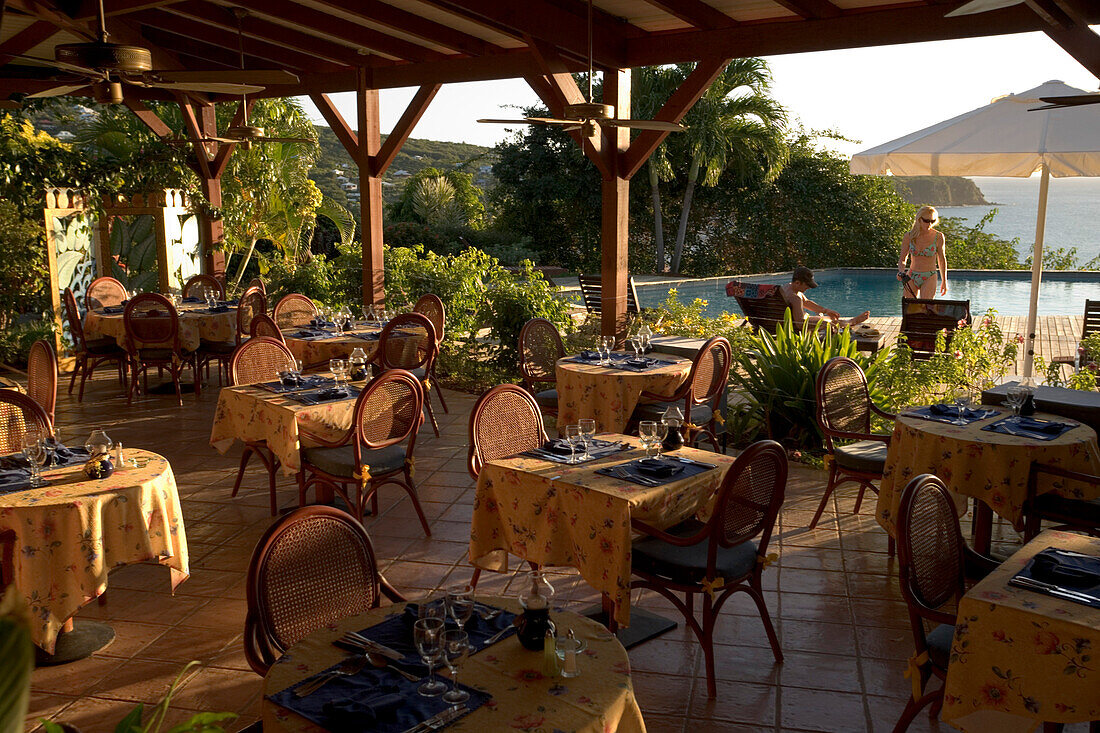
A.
x: 344, y: 132
x: 37, y: 32
x: 1076, y: 39
x: 221, y: 158
x: 679, y: 104
x: 810, y: 8
x: 317, y: 23
x: 89, y: 9
x: 558, y: 90
x: 191, y: 124
x: 149, y: 118
x: 48, y: 11
x: 207, y: 53
x: 389, y: 149
x: 263, y: 32
x: 695, y: 12
x: 395, y: 18
x: 226, y: 40
x: 908, y: 24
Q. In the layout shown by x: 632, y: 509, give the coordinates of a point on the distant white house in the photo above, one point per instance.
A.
x: 401, y: 174
x: 65, y: 136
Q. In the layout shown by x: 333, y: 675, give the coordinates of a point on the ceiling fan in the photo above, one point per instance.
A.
x: 243, y: 134
x: 588, y: 116
x: 106, y: 66
x: 1072, y: 100
x: 981, y: 6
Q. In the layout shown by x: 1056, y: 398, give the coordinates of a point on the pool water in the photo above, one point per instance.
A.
x: 852, y: 291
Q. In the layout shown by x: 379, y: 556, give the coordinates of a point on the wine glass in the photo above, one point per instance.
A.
x: 460, y: 603
x: 647, y: 431
x: 428, y: 638
x: 428, y: 608
x: 573, y: 437
x: 456, y: 647
x: 339, y: 369
x: 643, y: 340
x: 1014, y: 398
x: 31, y: 443
x: 962, y: 399
x: 635, y: 343
x: 608, y: 347
x: 659, y: 435
x: 587, y: 429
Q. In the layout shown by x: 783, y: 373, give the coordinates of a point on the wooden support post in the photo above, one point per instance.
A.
x: 615, y: 215
x: 370, y: 190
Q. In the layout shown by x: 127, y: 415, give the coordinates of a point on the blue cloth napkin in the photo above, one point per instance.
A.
x: 64, y: 456
x: 1028, y: 427
x: 396, y: 632
x: 373, y: 336
x: 192, y: 299
x: 217, y: 309
x: 1077, y: 574
x: 304, y: 383
x: 949, y: 413
x: 311, y: 334
x: 330, y: 394
x: 365, y: 702
x: 13, y: 479
x: 653, y: 472
x: 112, y: 310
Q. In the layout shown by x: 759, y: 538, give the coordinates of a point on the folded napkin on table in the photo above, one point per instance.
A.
x: 353, y: 712
x: 590, y: 355
x: 560, y: 446
x: 192, y: 299
x: 221, y: 308
x: 13, y: 479
x: 61, y: 455
x: 659, y: 467
x: 112, y: 309
x: 1064, y: 569
x: 1032, y: 425
x: 946, y: 410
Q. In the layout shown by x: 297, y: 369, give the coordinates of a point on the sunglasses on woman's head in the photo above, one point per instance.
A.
x: 928, y: 221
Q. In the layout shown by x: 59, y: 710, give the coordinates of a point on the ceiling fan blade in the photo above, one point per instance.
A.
x: 201, y: 141
x: 82, y: 70
x: 56, y: 92
x: 534, y: 121
x: 197, y: 87
x: 981, y: 6
x: 644, y: 125
x: 262, y: 77
x: 570, y: 128
x: 1072, y: 100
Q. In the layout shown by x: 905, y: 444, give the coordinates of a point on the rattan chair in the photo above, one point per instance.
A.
x: 250, y: 304
x: 294, y: 310
x: 431, y: 307
x: 722, y: 556
x: 313, y: 567
x: 196, y: 286
x: 1079, y: 514
x: 104, y: 292
x: 90, y: 353
x: 153, y: 340
x: 265, y: 326
x: 540, y: 347
x: 18, y: 412
x: 42, y: 376
x: 922, y: 319
x: 934, y: 564
x: 700, y: 396
x: 505, y: 421
x: 389, y: 412
x: 412, y: 348
x: 259, y: 360
x: 844, y: 410
x: 258, y: 283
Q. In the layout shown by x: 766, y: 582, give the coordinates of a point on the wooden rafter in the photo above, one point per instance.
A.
x: 195, y: 131
x: 402, y: 21
x: 26, y: 39
x: 1078, y: 40
x: 811, y: 8
x: 695, y: 12
x: 404, y: 127
x: 89, y: 9
x: 207, y: 54
x: 148, y: 117
x: 340, y: 127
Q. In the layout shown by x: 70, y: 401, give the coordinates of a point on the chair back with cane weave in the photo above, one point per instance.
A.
x: 264, y: 325
x: 42, y: 376
x: 843, y: 400
x: 259, y: 359
x: 294, y: 310
x: 313, y: 567
x: 750, y: 496
x: 540, y: 347
x: 922, y: 319
x: 18, y: 414
x: 431, y: 307
x: 930, y: 547
x: 258, y: 283
x: 76, y: 325
x: 253, y: 303
x: 505, y: 421
x: 151, y: 321
x: 389, y: 411
x: 104, y: 292
x: 710, y: 370
x: 197, y: 285
x: 407, y: 342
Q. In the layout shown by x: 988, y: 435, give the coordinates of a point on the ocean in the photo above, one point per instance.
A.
x: 1072, y: 204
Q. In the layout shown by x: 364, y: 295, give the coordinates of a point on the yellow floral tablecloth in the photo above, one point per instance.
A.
x: 195, y: 325
x: 70, y: 534
x: 319, y: 351
x: 558, y: 514
x: 1019, y: 657
x: 610, y: 395
x: 253, y: 414
x: 6, y: 383
x: 992, y: 467
x: 600, y: 700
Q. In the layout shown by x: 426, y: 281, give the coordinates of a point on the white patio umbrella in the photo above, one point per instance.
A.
x: 1003, y: 138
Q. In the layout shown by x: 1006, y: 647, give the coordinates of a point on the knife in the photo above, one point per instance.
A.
x: 374, y: 646
x: 693, y: 462
x: 1054, y: 590
x: 438, y: 720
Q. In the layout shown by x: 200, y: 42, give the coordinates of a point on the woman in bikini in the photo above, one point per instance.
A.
x: 925, y: 249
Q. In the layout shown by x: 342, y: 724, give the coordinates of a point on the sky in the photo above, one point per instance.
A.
x: 871, y: 95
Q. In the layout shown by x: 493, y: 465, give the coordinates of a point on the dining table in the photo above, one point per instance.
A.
x: 975, y: 461
x: 73, y: 531
x: 1020, y: 657
x: 197, y: 323
x: 9, y: 383
x: 577, y: 515
x: 513, y: 688
x: 609, y: 393
x: 316, y: 345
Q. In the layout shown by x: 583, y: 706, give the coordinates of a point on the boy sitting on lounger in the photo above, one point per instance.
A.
x: 794, y: 294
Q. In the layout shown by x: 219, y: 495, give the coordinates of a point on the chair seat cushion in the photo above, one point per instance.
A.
x: 700, y: 414
x: 103, y: 347
x: 867, y: 456
x: 341, y: 461
x: 688, y: 564
x: 939, y: 644
x: 547, y: 399
x: 218, y: 347
x: 161, y: 354
x: 1072, y: 511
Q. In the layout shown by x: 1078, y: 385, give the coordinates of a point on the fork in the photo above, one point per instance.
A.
x: 350, y: 666
x: 622, y: 473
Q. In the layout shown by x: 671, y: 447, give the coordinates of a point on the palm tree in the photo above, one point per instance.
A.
x: 650, y: 88
x: 742, y: 132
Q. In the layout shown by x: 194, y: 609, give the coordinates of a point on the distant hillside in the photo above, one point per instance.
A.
x: 415, y: 155
x: 938, y: 190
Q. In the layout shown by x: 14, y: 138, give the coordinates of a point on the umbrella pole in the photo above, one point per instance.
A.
x: 1036, y: 271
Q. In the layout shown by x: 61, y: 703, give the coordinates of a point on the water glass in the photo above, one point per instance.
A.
x: 647, y: 431
x: 34, y: 451
x: 339, y: 370
x: 428, y: 608
x: 456, y: 647
x: 608, y: 347
x: 961, y: 402
x: 428, y: 638
x: 460, y: 603
x: 587, y: 429
x: 636, y: 344
x: 659, y: 435
x: 1014, y: 398
x: 573, y: 437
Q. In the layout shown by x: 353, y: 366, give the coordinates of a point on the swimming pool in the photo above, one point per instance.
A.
x: 852, y: 291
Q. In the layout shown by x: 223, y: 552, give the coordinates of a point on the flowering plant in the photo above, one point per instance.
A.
x: 1083, y: 378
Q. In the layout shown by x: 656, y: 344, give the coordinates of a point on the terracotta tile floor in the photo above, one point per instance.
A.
x: 832, y: 594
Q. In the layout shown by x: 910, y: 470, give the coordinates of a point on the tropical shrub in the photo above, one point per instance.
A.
x: 23, y: 267
x: 673, y: 318
x: 1084, y: 378
x: 17, y: 651
x: 516, y: 299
